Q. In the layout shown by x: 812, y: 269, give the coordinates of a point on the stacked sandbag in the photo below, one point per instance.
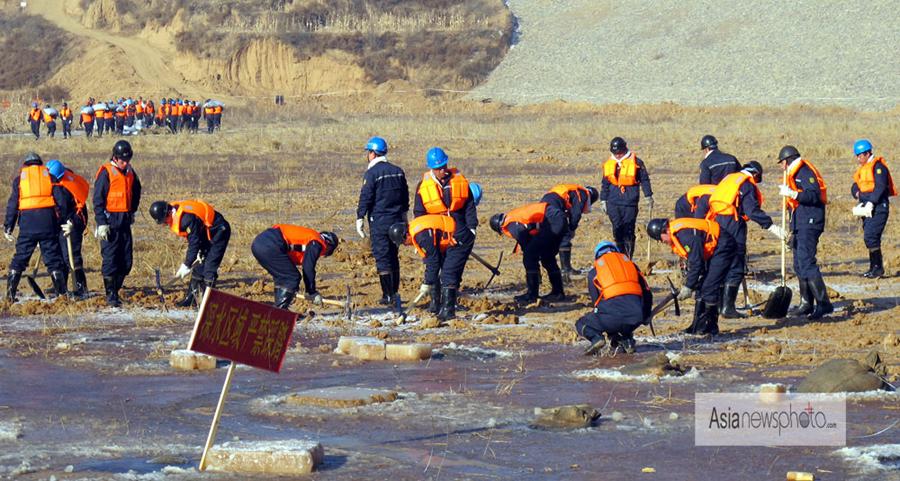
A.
x: 51, y: 112
x: 101, y: 107
x: 214, y: 103
x: 87, y: 109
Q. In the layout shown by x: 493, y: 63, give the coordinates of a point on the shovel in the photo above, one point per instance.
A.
x: 780, y: 301
x: 159, y: 290
x: 663, y: 305
x: 31, y: 282
x: 495, y: 271
x: 409, y: 308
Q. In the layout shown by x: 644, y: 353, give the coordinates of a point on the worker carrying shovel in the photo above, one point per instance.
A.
x: 621, y: 298
x: 207, y: 234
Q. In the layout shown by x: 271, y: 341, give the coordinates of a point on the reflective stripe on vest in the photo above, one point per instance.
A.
x: 615, y: 276
x: 865, y: 177
x: 35, y: 188
x: 35, y: 115
x: 698, y: 191
x: 444, y: 223
x: 704, y: 225
x: 197, y: 207
x: 79, y: 188
x: 793, y: 203
x: 627, y: 171
x: 298, y: 236
x: 724, y: 200
x: 118, y: 199
x: 432, y: 193
x: 566, y: 190
x: 530, y: 216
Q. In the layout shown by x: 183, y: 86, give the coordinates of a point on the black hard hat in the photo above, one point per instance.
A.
x: 787, y: 152
x: 754, y: 167
x: 331, y: 241
x: 32, y: 158
x: 656, y: 227
x: 617, y: 145
x: 397, y: 232
x: 709, y: 142
x: 159, y: 210
x: 122, y: 150
x: 595, y: 194
x: 497, y: 222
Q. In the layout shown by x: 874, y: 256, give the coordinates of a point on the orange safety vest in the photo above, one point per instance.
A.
x: 724, y: 200
x: 66, y: 113
x: 129, y: 110
x: 565, y: 190
x: 149, y: 110
x: 197, y: 207
x: 712, y: 235
x: 296, y: 235
x: 698, y: 191
x: 139, y: 109
x: 435, y: 222
x: 108, y: 114
x: 793, y: 203
x: 118, y: 199
x: 79, y: 188
x: 627, y: 172
x: 122, y: 114
x: 432, y: 193
x: 35, y: 114
x: 209, y: 110
x: 217, y: 109
x: 527, y: 215
x: 85, y: 118
x: 616, y: 276
x: 865, y: 177
x: 47, y: 118
x: 35, y: 188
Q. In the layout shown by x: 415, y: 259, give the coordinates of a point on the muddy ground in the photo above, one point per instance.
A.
x: 86, y: 392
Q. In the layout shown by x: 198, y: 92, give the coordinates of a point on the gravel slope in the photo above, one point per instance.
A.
x: 702, y: 53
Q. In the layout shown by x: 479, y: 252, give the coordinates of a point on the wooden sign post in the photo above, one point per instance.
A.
x: 240, y: 330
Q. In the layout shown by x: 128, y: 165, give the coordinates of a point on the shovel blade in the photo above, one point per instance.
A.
x: 34, y: 287
x: 778, y: 304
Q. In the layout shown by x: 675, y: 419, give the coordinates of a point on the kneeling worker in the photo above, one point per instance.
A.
x: 207, y: 234
x: 622, y: 300
x: 710, y: 252
x: 282, y: 247
x: 432, y: 236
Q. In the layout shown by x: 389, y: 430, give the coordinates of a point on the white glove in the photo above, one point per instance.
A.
x: 183, y: 271
x: 317, y: 299
x: 778, y: 232
x: 867, y: 209
x: 473, y: 231
x: 102, y: 232
x: 859, y: 210
x: 685, y: 293
x: 9, y: 236
x: 786, y: 191
x: 649, y: 201
x: 359, y: 227
x: 200, y: 258
x: 424, y: 289
x: 67, y: 228
x: 603, y: 207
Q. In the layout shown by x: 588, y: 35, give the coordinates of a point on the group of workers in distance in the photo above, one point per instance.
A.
x: 709, y: 231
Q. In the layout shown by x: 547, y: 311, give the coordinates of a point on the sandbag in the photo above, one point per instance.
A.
x: 101, y: 107
x: 565, y: 418
x: 658, y: 365
x: 87, y: 109
x: 120, y: 109
x: 51, y: 112
x: 846, y: 375
x: 214, y: 103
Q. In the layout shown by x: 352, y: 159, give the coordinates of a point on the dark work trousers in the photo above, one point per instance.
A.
x: 67, y: 128
x: 36, y: 128
x: 566, y: 242
x: 117, y: 252
x: 210, y: 123
x: 623, y: 218
x: 173, y: 123
x: 218, y: 119
x: 110, y: 124
x: 51, y: 128
x: 384, y: 251
x: 77, y: 237
x: 120, y: 124
x: 873, y: 226
x: 628, y: 316
x: 209, y: 268
x: 454, y: 263
x: 88, y: 128
x: 101, y: 124
x: 270, y: 250
x: 50, y: 252
x: 544, y: 247
x: 738, y: 230
x: 717, y: 268
x: 805, y: 245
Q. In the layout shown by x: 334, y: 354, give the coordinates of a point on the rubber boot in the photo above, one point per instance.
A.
x: 533, y: 281
x: 876, y: 266
x: 112, y: 294
x: 699, y: 308
x: 283, y: 298
x: 557, y: 294
x: 387, y: 289
x: 434, y: 291
x: 595, y: 338
x: 189, y: 296
x: 395, y: 281
x: 820, y: 294
x: 729, y: 297
x: 806, y: 300
x: 59, y: 283
x: 448, y: 303
x: 120, y: 281
x: 565, y: 262
x: 721, y: 296
x: 709, y: 325
x: 626, y: 343
x: 81, y: 290
x: 12, y: 283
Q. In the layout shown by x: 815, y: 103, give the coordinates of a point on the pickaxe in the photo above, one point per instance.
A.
x: 346, y: 305
x: 663, y: 305
x: 495, y: 271
x: 409, y: 308
x: 31, y: 282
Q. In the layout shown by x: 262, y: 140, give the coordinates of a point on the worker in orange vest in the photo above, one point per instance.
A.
x: 130, y: 113
x: 117, y: 195
x: 538, y: 228
x: 624, y: 176
x: 121, y: 116
x: 73, y: 233
x: 872, y: 187
x: 281, y: 248
x: 621, y: 298
x: 41, y: 209
x: 208, y: 114
x: 49, y: 120
x: 195, y: 116
x: 806, y: 196
x: 433, y: 236
x: 87, y: 120
x: 695, y: 202
x: 217, y: 115
x: 109, y: 120
x: 149, y: 112
x: 34, y: 117
x: 710, y: 250
x: 575, y: 201
x: 207, y: 233
x: 65, y: 114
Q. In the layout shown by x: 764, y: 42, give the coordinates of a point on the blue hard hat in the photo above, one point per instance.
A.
x: 476, y: 192
x: 861, y: 146
x: 56, y: 168
x: 377, y: 145
x: 603, y: 247
x: 437, y: 158
x: 34, y: 105
x: 180, y: 102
